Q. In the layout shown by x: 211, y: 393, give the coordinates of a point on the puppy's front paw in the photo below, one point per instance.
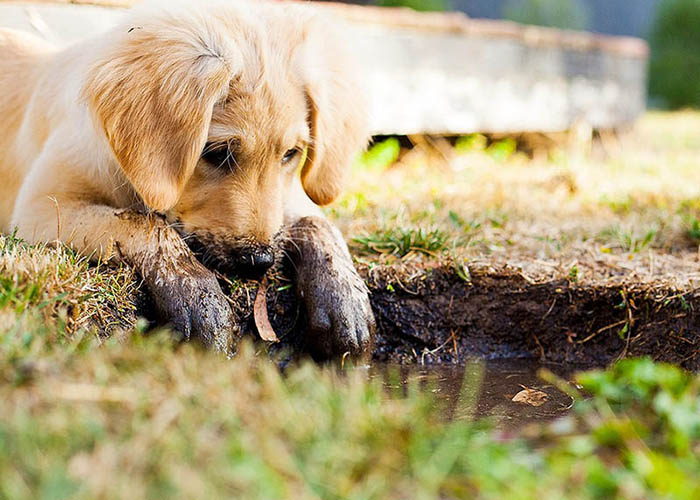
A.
x: 338, y: 309
x: 195, y: 306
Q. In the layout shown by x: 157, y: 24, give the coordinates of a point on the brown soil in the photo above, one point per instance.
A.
x: 500, y: 315
x: 436, y: 317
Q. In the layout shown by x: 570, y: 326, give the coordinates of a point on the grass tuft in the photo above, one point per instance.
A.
x: 143, y: 418
x: 628, y: 240
x: 50, y: 281
x: 402, y: 241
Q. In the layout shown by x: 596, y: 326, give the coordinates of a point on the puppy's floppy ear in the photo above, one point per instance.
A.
x: 152, y: 89
x: 337, y: 114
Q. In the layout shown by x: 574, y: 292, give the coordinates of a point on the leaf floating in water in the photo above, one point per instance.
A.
x: 531, y: 397
x: 262, y: 322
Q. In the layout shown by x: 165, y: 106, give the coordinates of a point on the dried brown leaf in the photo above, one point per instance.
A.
x: 531, y: 397
x: 262, y: 321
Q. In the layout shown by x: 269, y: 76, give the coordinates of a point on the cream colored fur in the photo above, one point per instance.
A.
x: 118, y: 123
x: 122, y: 119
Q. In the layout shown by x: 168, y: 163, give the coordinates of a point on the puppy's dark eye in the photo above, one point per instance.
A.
x: 219, y: 155
x: 289, y: 155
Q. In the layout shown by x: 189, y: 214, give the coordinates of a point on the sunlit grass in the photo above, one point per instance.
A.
x: 142, y: 418
x: 137, y: 416
x: 401, y: 241
x: 628, y: 240
x: 619, y: 196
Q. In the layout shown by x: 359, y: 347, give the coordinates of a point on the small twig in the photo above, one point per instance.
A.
x: 454, y: 344
x: 230, y: 284
x: 433, y: 351
x: 342, y: 360
x: 548, y: 311
x: 537, y: 341
x: 425, y: 251
x: 630, y: 322
x: 527, y: 278
x: 601, y: 330
x: 403, y: 287
x: 58, y: 218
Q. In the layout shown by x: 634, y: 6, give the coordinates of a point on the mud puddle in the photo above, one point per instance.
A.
x: 478, y: 345
x: 507, y: 392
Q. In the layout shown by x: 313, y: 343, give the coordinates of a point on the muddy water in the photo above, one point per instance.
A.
x: 483, y: 389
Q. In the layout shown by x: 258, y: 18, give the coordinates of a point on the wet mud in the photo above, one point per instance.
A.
x: 503, y: 316
x: 481, y: 389
x: 475, y: 346
x: 437, y: 317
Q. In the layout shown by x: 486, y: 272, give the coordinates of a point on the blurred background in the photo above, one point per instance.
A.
x: 672, y: 27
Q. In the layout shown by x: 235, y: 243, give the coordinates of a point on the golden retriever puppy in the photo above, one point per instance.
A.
x: 192, y: 125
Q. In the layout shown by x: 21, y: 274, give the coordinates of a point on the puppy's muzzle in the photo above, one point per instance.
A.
x: 253, y: 262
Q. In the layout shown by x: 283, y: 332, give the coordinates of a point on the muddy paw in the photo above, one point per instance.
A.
x: 195, y: 306
x: 336, y: 299
x: 340, y: 318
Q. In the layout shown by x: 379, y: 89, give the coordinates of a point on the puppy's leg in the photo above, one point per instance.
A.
x: 185, y: 293
x: 334, y: 295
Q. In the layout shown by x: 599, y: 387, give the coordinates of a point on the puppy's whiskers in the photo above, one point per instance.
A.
x: 289, y: 259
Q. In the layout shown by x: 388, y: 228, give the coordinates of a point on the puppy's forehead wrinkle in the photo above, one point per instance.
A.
x: 212, y: 50
x: 271, y: 118
x: 251, y: 63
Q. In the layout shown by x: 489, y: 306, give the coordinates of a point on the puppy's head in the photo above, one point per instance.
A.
x: 211, y: 114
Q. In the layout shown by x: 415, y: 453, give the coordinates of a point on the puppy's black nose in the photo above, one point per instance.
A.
x: 254, y: 263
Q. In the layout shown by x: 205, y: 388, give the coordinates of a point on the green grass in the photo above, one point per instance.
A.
x: 416, y: 4
x: 381, y: 155
x: 401, y: 241
x: 46, y: 280
x: 675, y: 54
x: 143, y: 419
x: 542, y: 202
x: 693, y: 228
x: 136, y: 416
x: 628, y: 239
